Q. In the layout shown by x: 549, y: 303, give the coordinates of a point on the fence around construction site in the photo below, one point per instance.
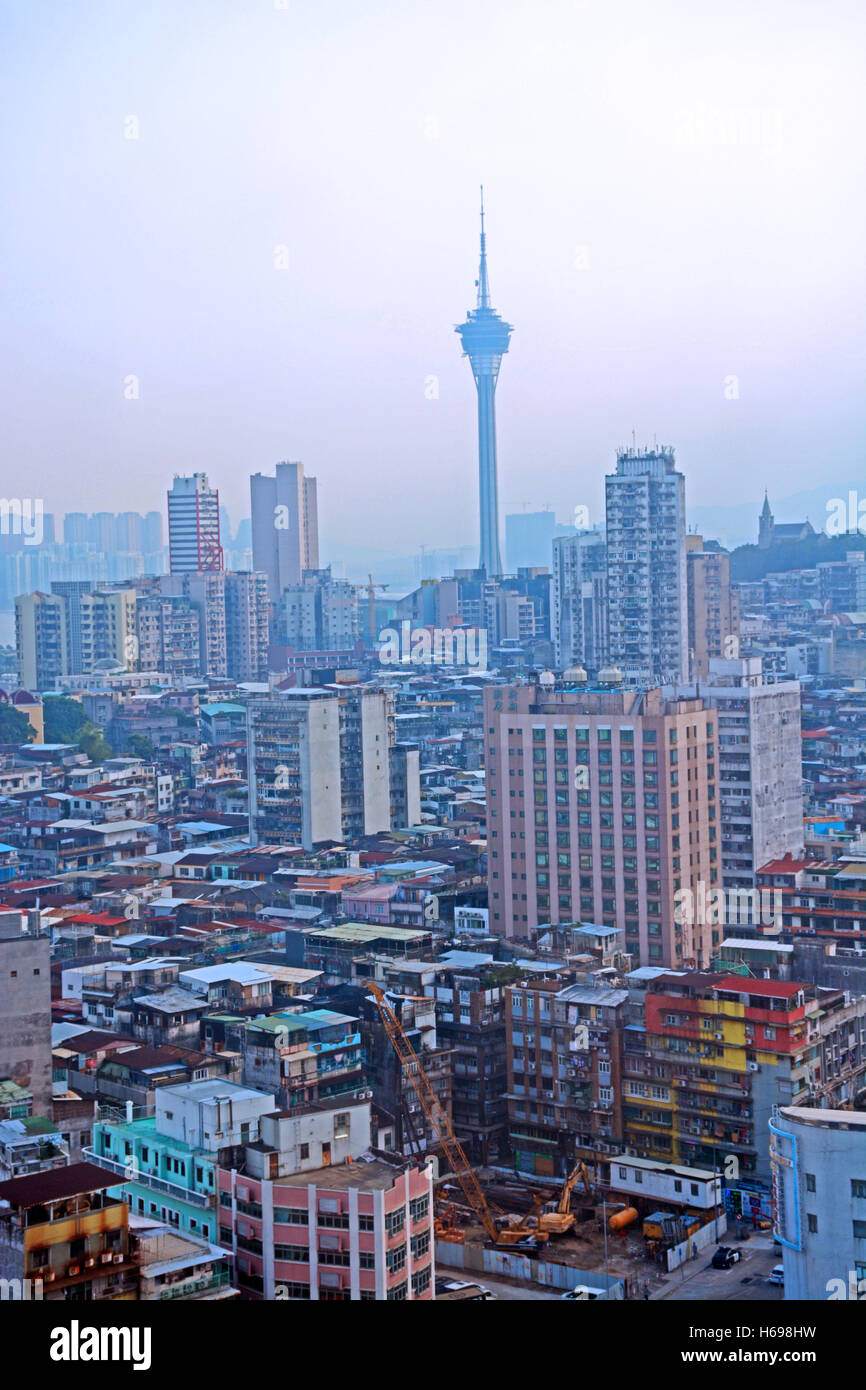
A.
x: 711, y: 1234
x: 477, y: 1259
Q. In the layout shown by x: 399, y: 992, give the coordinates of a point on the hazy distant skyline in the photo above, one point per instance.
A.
x: 675, y: 198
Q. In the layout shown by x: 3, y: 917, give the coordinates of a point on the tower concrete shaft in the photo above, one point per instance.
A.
x: 485, y: 338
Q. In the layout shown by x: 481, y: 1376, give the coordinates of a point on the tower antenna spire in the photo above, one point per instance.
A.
x: 485, y: 337
x: 483, y: 282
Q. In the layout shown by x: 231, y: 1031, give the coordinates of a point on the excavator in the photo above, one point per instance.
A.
x: 519, y: 1230
x: 559, y: 1221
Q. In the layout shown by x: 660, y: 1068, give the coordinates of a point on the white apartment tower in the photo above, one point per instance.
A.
x: 320, y: 765
x: 285, y: 526
x: 760, y: 783
x: 646, y: 567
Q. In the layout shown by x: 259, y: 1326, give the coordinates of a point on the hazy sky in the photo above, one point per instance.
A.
x: 675, y: 194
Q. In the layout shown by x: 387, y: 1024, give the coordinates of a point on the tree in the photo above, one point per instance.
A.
x: 140, y: 746
x: 15, y: 727
x: 64, y: 719
x: 92, y: 742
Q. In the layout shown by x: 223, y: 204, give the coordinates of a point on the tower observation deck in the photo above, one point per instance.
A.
x: 485, y: 338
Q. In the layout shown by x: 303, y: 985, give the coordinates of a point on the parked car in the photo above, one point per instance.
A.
x: 777, y: 1275
x: 582, y: 1293
x: 725, y: 1256
x: 460, y: 1290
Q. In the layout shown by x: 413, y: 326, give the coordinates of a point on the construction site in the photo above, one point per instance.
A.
x: 591, y: 1223
x: 576, y: 1225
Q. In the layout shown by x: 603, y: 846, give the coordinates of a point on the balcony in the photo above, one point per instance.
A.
x: 196, y: 1288
x: 145, y: 1178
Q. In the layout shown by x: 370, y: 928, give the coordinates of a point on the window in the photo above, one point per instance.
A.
x: 812, y: 1223
x: 420, y: 1244
x: 858, y: 1187
x: 296, y: 1254
x: 291, y: 1216
x: 420, y: 1282
x: 395, y: 1221
x: 305, y: 1151
x: 810, y: 1182
x: 293, y: 1290
x: 859, y: 1230
x: 418, y: 1208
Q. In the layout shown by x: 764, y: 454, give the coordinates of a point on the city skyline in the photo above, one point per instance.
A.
x: 634, y: 308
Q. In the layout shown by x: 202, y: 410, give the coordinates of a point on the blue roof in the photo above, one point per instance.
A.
x: 201, y: 827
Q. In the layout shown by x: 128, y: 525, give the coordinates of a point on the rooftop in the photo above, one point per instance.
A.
x: 366, y: 1175
x: 54, y: 1185
x: 845, y: 1119
x: 363, y: 932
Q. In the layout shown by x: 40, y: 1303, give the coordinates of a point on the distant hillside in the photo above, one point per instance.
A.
x: 748, y: 563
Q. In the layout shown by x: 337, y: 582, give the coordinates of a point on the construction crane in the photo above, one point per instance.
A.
x: 436, y: 1114
x: 561, y: 1219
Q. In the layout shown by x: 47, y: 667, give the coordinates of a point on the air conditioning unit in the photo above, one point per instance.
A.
x: 105, y: 1257
x: 753, y: 1066
x: 47, y: 1276
x: 73, y: 1269
x: 90, y: 1262
x: 118, y: 1259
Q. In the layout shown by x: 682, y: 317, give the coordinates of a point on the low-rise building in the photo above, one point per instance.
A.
x: 310, y: 1213
x: 167, y: 1161
x: 68, y: 1230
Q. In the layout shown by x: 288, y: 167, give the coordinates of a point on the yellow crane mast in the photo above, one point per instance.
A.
x: 444, y: 1130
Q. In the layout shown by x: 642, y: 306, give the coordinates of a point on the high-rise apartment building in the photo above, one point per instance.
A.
x: 759, y: 777
x: 246, y: 607
x: 168, y: 635
x: 319, y: 765
x: 40, y: 640
x: 193, y: 525
x: 579, y: 620
x: 231, y: 609
x: 564, y: 1095
x: 285, y: 526
x: 74, y: 630
x: 646, y: 567
x: 318, y: 614
x: 714, y: 606
x: 601, y: 806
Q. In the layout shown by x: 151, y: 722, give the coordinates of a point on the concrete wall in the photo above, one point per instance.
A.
x: 25, y: 1016
x: 814, y: 1173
